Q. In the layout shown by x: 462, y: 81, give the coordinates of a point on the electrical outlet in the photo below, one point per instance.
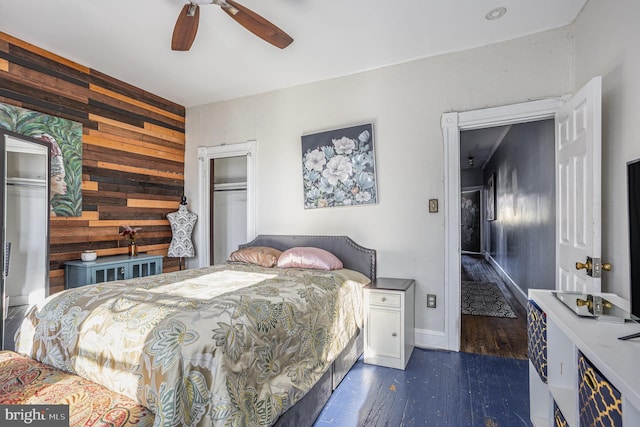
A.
x: 431, y: 301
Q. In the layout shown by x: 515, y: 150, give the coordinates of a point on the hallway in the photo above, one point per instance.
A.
x: 492, y: 335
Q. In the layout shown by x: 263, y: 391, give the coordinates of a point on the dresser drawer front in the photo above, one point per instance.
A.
x: 537, y: 342
x: 600, y: 403
x: 558, y: 418
x: 384, y: 299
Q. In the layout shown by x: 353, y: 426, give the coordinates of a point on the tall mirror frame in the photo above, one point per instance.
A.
x: 25, y: 165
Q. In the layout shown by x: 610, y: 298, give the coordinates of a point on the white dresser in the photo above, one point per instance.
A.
x: 580, y: 373
x: 389, y: 322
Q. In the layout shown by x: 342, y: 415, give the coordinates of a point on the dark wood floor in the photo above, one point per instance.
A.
x: 438, y: 388
x: 492, y: 335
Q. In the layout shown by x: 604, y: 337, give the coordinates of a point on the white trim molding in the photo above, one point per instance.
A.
x: 205, y: 155
x: 430, y: 339
x: 452, y: 124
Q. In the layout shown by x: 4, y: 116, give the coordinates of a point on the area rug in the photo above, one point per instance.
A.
x: 485, y: 299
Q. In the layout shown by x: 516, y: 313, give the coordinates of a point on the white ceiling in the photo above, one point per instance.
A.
x: 480, y: 144
x: 130, y: 39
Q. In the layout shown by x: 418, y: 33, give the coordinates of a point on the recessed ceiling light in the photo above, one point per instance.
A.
x: 496, y: 13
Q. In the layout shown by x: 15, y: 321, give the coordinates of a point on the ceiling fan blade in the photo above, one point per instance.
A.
x: 186, y: 27
x: 257, y: 24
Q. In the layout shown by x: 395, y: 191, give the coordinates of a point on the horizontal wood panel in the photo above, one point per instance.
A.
x: 137, y: 136
x: 149, y: 151
x: 139, y: 170
x: 86, y: 216
x: 143, y: 105
x: 131, y: 158
x: 10, y: 40
x: 145, y: 203
x: 147, y: 129
x: 117, y: 135
x: 89, y: 186
x: 70, y: 256
x: 133, y: 152
x: 133, y: 223
x: 47, y: 83
x: 108, y: 82
x: 32, y: 60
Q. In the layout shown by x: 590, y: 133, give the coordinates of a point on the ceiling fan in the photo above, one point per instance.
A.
x: 187, y: 25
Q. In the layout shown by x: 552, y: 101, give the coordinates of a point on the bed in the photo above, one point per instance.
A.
x: 234, y: 344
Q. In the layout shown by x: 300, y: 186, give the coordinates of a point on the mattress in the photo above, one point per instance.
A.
x: 233, y: 344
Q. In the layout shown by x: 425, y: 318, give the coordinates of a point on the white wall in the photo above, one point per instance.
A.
x: 405, y: 103
x: 606, y: 44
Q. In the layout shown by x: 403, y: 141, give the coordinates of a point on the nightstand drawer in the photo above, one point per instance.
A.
x: 384, y: 299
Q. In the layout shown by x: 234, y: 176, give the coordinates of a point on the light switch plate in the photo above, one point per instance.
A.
x: 431, y: 301
x: 433, y: 205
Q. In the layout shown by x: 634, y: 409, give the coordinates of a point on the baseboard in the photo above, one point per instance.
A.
x: 427, y: 338
x: 18, y: 300
x: 520, y: 295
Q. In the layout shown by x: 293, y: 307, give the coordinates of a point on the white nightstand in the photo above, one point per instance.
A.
x: 389, y: 322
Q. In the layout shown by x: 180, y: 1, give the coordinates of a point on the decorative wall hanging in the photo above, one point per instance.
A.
x: 470, y: 230
x: 338, y: 167
x: 65, y: 137
x: 491, y: 198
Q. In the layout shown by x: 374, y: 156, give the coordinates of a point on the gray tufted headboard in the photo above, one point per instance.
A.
x: 352, y: 255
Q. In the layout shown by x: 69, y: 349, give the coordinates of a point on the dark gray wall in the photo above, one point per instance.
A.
x: 471, y: 178
x: 522, y: 238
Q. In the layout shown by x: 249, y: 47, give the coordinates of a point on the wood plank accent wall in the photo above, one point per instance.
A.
x: 132, y: 148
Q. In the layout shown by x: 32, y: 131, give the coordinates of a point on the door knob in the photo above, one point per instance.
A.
x: 593, y: 266
x: 583, y: 265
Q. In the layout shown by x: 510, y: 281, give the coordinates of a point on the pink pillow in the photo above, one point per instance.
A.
x: 308, y: 257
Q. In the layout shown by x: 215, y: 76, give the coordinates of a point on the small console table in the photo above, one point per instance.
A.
x: 110, y: 268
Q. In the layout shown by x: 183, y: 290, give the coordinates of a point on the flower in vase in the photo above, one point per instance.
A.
x: 129, y: 233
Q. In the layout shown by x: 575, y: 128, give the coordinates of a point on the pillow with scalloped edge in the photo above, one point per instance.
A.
x: 309, y: 257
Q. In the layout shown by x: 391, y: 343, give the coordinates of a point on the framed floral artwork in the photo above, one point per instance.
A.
x: 338, y: 168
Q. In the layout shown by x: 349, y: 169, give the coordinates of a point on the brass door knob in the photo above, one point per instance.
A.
x: 582, y: 265
x: 606, y: 266
x: 584, y: 302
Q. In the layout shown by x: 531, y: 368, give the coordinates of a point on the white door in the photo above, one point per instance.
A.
x: 578, y: 171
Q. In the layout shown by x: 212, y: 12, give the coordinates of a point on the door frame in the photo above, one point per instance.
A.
x: 452, y: 123
x: 205, y: 155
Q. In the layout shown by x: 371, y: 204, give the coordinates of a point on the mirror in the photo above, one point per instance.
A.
x: 25, y: 228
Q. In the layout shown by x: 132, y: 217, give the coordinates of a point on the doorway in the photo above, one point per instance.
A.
x: 236, y: 190
x: 228, y: 206
x: 514, y: 167
x: 452, y: 125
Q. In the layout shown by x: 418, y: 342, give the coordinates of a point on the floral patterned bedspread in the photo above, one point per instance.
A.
x: 223, y: 345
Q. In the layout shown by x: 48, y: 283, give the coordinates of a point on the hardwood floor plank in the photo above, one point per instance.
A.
x: 438, y: 388
x: 492, y: 335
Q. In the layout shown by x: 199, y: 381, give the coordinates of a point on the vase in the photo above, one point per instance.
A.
x: 88, y: 256
x: 133, y: 249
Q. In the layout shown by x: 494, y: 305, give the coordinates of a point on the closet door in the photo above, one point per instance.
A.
x: 25, y: 225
